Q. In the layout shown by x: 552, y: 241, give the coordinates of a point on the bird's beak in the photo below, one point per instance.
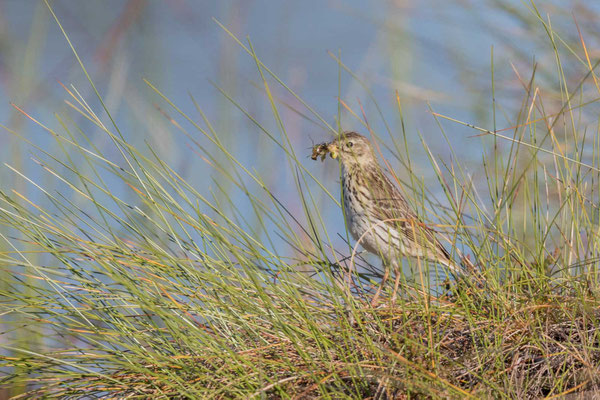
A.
x: 333, y: 149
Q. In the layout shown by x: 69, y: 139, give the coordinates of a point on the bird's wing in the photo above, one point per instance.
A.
x: 390, y: 205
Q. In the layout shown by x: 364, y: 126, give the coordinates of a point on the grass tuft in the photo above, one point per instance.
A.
x: 124, y: 280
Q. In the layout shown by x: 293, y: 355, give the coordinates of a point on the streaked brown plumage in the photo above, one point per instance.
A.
x: 377, y: 214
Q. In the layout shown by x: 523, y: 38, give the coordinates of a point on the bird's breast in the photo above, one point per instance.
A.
x: 356, y: 200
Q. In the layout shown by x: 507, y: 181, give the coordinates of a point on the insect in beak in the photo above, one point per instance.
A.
x: 319, y: 150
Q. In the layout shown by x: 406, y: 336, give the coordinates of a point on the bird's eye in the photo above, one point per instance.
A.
x: 349, y: 144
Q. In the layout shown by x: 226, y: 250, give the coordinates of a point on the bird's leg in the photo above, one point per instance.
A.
x: 386, y: 274
x: 396, y: 283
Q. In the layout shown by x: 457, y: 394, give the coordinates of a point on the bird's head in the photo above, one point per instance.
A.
x: 352, y: 149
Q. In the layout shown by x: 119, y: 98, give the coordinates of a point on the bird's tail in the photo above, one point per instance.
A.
x: 458, y: 269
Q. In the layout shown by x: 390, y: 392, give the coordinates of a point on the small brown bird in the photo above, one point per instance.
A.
x: 377, y: 214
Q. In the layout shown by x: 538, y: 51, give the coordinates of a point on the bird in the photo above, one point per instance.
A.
x: 377, y: 215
